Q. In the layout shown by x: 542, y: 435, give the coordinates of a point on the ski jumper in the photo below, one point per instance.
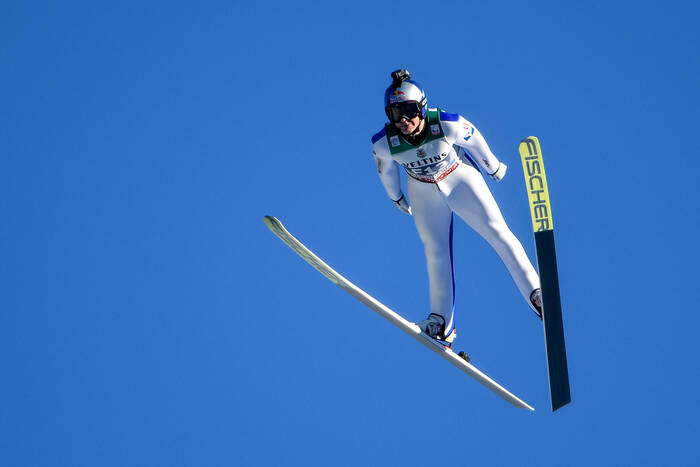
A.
x: 443, y: 179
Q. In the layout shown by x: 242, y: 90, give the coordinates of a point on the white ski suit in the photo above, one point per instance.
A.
x: 443, y: 179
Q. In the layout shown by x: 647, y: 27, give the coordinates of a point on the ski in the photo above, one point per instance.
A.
x: 541, y: 212
x: 460, y: 360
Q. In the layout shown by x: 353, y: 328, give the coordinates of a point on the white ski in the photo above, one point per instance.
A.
x: 459, y: 360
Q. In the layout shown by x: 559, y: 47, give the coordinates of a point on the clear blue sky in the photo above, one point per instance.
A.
x: 148, y: 317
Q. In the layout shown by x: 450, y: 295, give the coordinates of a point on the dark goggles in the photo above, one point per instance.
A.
x: 408, y: 109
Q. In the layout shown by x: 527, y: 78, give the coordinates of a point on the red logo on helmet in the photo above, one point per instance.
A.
x: 397, y: 96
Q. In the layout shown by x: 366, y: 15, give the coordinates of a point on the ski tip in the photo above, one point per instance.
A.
x: 270, y: 221
x: 275, y: 225
x: 530, y: 138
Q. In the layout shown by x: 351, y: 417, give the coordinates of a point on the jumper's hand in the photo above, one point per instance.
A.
x: 500, y: 172
x: 403, y: 205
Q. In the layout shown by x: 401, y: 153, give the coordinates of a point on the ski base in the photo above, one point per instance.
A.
x: 460, y: 360
x: 557, y: 366
x: 543, y: 227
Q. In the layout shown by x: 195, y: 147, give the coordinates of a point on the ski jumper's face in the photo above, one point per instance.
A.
x: 408, y: 126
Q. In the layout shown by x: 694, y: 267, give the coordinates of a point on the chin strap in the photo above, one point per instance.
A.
x: 417, y: 130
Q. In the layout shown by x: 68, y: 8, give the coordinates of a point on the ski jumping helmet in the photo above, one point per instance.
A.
x: 404, y: 97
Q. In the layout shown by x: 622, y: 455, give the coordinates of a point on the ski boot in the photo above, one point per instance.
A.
x: 536, y: 301
x: 434, y: 326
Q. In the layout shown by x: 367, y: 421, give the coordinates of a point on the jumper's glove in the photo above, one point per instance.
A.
x: 500, y: 172
x: 403, y: 205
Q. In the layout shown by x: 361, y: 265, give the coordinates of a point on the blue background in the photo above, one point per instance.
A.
x: 148, y: 317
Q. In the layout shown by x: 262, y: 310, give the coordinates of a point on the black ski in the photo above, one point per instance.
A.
x: 538, y: 195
